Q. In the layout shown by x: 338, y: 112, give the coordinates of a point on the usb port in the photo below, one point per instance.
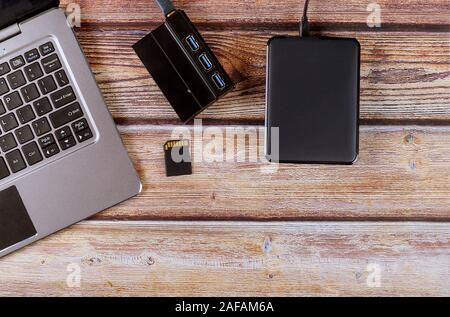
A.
x: 204, y: 60
x: 218, y: 80
x: 193, y: 43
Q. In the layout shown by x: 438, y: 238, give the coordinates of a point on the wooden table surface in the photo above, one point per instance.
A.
x: 380, y: 227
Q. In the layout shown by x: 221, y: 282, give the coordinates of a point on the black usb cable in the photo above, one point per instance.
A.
x: 166, y: 6
x: 304, y: 24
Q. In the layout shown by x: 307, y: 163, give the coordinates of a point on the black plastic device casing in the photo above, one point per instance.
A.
x: 313, y: 89
x: 177, y: 69
x: 15, y: 11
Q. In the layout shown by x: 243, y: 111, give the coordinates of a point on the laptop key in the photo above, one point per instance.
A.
x: 63, y: 133
x: 61, y: 78
x: 15, y: 161
x: 46, y: 141
x: 32, y: 153
x: 13, y: 100
x: 7, y: 142
x: 32, y: 56
x: 25, y: 114
x: 3, y: 86
x: 66, y: 115
x: 63, y: 97
x: 80, y: 125
x: 67, y: 143
x: 51, y: 150
x: 17, y: 62
x: 47, y: 48
x: 4, y: 69
x: 2, y: 109
x: 84, y: 135
x: 33, y: 71
x: 4, y: 171
x: 30, y: 93
x: 47, y: 85
x: 8, y: 122
x: 16, y: 79
x: 42, y: 106
x: 41, y: 126
x: 51, y: 63
x: 24, y: 134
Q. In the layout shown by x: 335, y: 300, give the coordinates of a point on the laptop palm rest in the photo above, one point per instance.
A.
x: 15, y: 223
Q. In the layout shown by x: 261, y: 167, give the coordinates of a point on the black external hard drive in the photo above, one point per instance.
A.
x: 313, y: 89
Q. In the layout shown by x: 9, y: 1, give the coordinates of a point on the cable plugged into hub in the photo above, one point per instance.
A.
x: 304, y: 24
x: 166, y: 6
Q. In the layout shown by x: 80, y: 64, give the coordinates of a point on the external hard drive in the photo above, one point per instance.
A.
x: 313, y: 98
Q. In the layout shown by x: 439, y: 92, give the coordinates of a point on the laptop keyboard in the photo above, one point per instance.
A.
x: 40, y: 117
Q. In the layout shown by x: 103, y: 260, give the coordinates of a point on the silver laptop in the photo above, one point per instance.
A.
x: 61, y: 157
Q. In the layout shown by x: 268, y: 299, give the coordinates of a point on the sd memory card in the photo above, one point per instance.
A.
x: 178, y: 158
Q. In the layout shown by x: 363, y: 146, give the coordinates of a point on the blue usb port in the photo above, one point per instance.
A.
x: 193, y: 43
x: 219, y: 81
x: 204, y: 60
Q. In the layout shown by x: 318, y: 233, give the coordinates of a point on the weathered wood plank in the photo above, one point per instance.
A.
x: 405, y: 76
x: 268, y: 12
x: 403, y: 173
x: 235, y: 259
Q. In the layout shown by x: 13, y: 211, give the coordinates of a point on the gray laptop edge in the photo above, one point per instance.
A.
x: 73, y: 164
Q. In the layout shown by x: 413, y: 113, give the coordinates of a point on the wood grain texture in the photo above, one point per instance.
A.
x: 405, y: 76
x: 235, y: 259
x: 267, y: 12
x: 402, y: 173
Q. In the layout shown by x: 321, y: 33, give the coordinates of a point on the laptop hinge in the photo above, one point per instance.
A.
x: 9, y: 32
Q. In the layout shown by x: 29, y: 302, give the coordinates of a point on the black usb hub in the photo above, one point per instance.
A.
x: 183, y: 66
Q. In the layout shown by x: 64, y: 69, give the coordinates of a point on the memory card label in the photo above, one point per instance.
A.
x: 178, y: 158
